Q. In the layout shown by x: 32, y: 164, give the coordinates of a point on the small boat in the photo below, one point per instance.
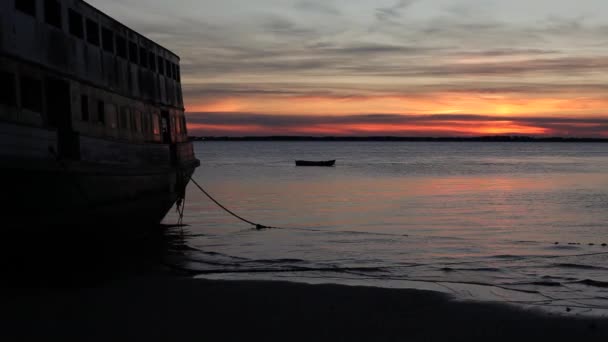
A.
x: 315, y: 163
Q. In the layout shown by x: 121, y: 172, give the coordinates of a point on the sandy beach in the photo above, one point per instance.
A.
x: 174, y: 308
x: 56, y: 287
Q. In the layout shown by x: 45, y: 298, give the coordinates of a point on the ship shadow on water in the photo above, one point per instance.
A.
x: 87, y: 255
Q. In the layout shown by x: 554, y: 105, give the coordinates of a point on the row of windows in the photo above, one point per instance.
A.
x: 30, y: 89
x: 126, y: 119
x: 106, y: 38
x: 107, y: 113
x: 8, y: 93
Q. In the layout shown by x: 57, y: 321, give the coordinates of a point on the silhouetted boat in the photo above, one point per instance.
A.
x: 315, y: 163
x: 92, y: 125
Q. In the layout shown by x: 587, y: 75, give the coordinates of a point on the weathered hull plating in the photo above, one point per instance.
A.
x: 75, y: 193
x: 112, y: 182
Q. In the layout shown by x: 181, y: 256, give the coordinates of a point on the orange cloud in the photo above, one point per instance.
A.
x: 467, y: 128
x: 443, y: 103
x: 429, y: 114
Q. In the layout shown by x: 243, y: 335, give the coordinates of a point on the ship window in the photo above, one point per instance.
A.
x: 178, y: 125
x: 156, y: 124
x: 8, y: 92
x: 112, y: 116
x: 101, y: 111
x: 173, y: 72
x: 52, y: 13
x: 180, y: 98
x: 75, y: 24
x: 143, y: 57
x: 152, y: 61
x: 124, y: 117
x: 121, y: 47
x: 31, y: 94
x: 145, y: 122
x: 84, y: 107
x: 92, y: 32
x: 136, y: 121
x: 133, y: 52
x: 26, y: 6
x: 168, y: 67
x: 107, y: 39
x: 161, y: 65
x: 132, y: 121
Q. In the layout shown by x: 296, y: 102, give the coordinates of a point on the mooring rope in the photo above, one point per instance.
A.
x: 180, y: 207
x: 261, y: 227
x: 256, y: 225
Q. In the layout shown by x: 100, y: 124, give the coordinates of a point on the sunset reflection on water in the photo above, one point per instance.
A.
x: 496, y: 208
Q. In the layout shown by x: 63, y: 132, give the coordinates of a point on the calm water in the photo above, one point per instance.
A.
x: 514, y: 222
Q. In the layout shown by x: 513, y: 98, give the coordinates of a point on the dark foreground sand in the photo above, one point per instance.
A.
x: 65, y: 285
x: 172, y: 308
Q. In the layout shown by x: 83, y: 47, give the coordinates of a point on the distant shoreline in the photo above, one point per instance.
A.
x: 410, y: 139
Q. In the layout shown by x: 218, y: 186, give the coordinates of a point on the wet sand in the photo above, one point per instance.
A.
x: 69, y: 286
x: 156, y: 307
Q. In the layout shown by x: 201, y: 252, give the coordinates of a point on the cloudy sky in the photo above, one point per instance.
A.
x: 384, y: 67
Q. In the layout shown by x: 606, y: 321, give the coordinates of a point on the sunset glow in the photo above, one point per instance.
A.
x: 441, y: 104
x: 300, y: 66
x: 434, y: 103
x: 463, y: 128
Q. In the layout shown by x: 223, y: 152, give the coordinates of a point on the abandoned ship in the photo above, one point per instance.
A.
x: 92, y: 126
